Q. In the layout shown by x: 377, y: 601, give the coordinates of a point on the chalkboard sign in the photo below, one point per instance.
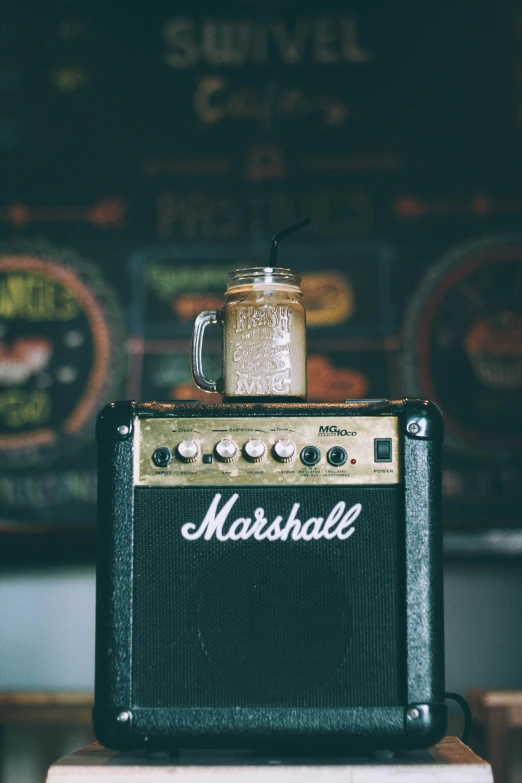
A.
x: 146, y: 151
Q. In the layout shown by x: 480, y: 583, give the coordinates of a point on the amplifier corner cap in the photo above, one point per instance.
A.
x: 115, y: 421
x: 423, y: 420
x: 113, y: 727
x: 425, y: 724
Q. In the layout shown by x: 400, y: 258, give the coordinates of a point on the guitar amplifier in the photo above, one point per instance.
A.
x: 269, y: 575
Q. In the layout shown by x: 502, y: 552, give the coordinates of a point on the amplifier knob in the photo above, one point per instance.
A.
x: 284, y: 450
x: 254, y: 450
x: 225, y: 450
x: 187, y: 450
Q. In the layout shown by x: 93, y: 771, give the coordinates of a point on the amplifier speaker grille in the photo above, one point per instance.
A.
x: 267, y: 623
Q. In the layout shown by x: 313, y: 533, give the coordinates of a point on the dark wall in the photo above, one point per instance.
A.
x: 145, y: 150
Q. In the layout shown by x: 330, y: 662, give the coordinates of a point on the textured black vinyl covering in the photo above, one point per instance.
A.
x: 424, y: 585
x: 268, y: 624
x: 113, y: 671
x: 352, y: 729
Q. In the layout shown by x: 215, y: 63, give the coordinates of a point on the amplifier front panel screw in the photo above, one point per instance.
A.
x: 123, y: 717
x: 413, y: 713
x: 123, y: 430
x: 413, y: 428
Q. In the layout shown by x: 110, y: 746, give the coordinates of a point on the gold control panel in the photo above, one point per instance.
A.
x: 269, y: 450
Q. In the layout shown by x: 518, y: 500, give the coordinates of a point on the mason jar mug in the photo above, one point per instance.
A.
x: 264, y: 338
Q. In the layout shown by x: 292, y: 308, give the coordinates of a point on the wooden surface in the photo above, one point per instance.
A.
x: 46, y: 708
x: 497, y: 712
x: 448, y: 762
x: 482, y: 701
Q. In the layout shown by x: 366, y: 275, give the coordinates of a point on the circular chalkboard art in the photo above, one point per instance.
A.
x: 463, y: 345
x: 60, y: 340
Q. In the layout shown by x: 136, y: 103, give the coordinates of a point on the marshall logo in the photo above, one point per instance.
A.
x: 334, y: 430
x: 338, y: 524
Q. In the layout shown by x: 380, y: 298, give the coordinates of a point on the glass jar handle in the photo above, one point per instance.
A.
x: 202, y: 321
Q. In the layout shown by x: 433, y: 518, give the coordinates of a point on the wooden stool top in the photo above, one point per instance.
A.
x: 448, y: 762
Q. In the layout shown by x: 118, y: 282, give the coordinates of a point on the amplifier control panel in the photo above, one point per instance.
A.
x: 266, y: 450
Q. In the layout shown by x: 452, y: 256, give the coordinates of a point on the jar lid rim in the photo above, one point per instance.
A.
x: 263, y: 274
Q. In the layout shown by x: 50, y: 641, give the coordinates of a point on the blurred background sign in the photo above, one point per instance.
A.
x: 346, y: 285
x: 145, y: 154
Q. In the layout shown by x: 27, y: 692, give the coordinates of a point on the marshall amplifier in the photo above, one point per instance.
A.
x: 269, y: 575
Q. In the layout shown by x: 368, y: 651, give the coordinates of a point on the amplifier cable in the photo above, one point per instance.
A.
x: 461, y: 701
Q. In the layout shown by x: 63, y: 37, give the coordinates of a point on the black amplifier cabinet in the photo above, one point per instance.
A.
x: 270, y: 575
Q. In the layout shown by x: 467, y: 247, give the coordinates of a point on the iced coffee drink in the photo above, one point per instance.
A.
x: 264, y: 336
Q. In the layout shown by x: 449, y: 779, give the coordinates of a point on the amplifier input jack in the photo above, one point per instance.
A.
x: 337, y: 456
x: 162, y: 456
x: 310, y: 456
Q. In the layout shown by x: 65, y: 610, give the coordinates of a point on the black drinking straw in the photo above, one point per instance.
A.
x: 283, y: 233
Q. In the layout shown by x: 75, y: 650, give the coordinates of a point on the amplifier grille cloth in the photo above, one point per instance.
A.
x: 267, y: 624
